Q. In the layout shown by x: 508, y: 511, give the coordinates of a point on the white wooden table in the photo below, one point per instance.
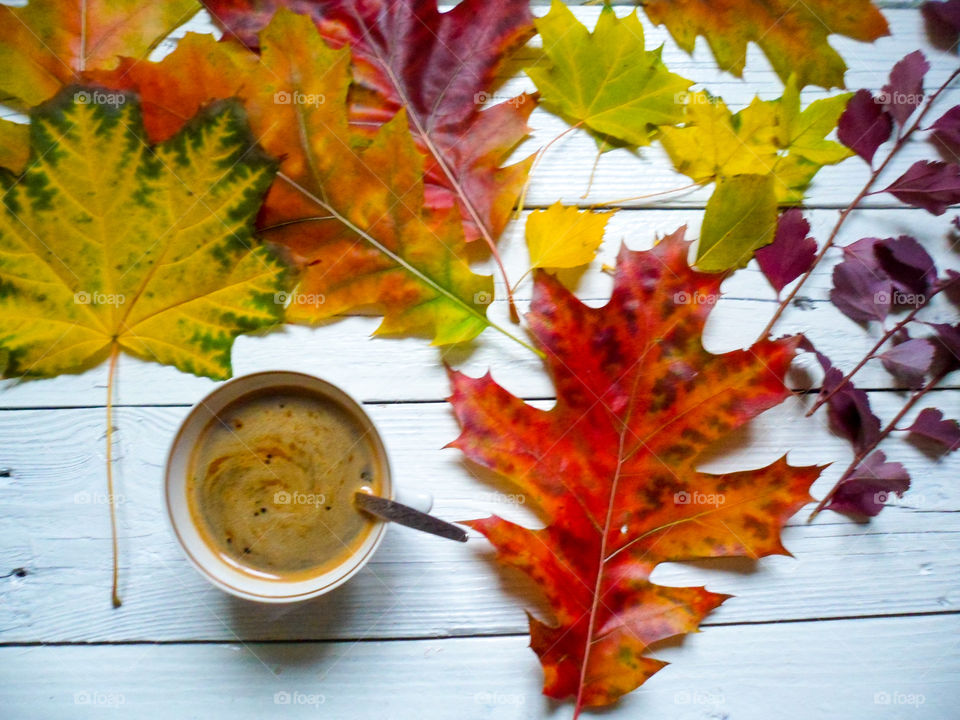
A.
x: 863, y: 623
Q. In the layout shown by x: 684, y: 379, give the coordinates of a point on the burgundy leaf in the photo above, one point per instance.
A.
x: 790, y: 254
x: 904, y: 93
x: 947, y: 128
x: 950, y: 285
x: 908, y: 265
x: 860, y: 292
x: 943, y: 22
x: 848, y: 409
x: 909, y: 361
x: 933, y: 186
x: 864, y: 125
x: 949, y: 345
x: 868, y: 488
x: 931, y: 426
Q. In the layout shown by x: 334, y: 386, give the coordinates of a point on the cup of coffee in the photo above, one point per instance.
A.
x: 260, y: 481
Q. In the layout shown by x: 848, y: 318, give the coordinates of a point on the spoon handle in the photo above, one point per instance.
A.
x: 406, y: 515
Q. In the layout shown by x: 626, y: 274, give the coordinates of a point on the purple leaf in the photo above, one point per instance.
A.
x: 909, y: 361
x: 868, y: 488
x: 949, y: 345
x: 864, y: 125
x: 933, y: 186
x: 860, y: 292
x: 908, y: 265
x: 947, y: 128
x: 848, y: 409
x: 790, y: 254
x: 943, y: 22
x: 930, y: 425
x: 904, y: 93
x: 950, y: 285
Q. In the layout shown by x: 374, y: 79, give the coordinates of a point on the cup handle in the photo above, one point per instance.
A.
x: 422, y: 501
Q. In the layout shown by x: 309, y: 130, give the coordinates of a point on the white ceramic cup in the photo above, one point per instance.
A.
x: 203, y: 557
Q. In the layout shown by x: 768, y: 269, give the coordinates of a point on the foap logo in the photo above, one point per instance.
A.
x: 298, y: 498
x: 694, y: 298
x: 685, y: 497
x: 895, y: 97
x: 99, y: 699
x: 83, y: 297
x: 298, y: 98
x: 506, y: 498
x: 483, y: 97
x: 493, y: 698
x: 899, y: 298
x: 297, y: 298
x: 689, y: 98
x: 698, y: 697
x: 88, y: 498
x: 482, y: 298
x: 98, y: 97
x: 298, y: 698
x: 899, y: 698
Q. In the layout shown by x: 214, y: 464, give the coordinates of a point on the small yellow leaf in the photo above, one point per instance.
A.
x: 564, y: 237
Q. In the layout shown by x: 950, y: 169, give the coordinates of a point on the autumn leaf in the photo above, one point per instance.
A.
x: 741, y: 217
x: 792, y: 252
x: 14, y: 146
x: 109, y: 244
x: 767, y: 137
x: 606, y: 79
x: 199, y: 70
x: 349, y: 207
x: 564, y: 237
x: 792, y: 35
x: 440, y: 68
x: 48, y: 43
x: 613, y: 467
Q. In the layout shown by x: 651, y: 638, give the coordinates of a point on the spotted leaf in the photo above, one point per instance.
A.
x: 613, y: 466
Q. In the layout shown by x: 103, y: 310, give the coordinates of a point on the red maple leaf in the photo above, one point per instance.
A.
x: 441, y: 67
x: 613, y: 467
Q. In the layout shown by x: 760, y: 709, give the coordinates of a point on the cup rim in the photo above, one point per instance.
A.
x: 359, y: 561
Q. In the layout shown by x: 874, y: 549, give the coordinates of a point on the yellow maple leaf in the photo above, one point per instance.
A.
x: 564, y: 237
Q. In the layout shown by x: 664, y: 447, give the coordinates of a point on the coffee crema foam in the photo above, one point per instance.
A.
x: 272, y: 480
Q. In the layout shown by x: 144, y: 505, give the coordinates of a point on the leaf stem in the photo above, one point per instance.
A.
x: 890, y: 427
x: 111, y: 500
x: 871, y: 353
x: 620, y: 201
x: 874, y: 176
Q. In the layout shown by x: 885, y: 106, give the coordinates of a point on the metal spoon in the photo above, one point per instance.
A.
x: 402, y: 514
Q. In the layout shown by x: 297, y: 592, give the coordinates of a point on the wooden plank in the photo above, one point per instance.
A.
x: 790, y: 671
x: 369, y: 367
x: 55, y: 526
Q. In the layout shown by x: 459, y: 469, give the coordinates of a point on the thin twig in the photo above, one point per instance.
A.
x: 111, y: 500
x: 891, y: 426
x: 874, y: 176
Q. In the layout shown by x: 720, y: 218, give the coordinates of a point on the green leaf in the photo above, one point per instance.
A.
x: 803, y: 133
x: 107, y: 243
x: 741, y: 217
x: 606, y: 79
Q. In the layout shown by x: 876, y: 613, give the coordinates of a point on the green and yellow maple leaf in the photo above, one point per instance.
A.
x: 793, y: 35
x: 606, y: 79
x: 14, y: 145
x: 767, y: 137
x: 49, y: 43
x: 108, y: 244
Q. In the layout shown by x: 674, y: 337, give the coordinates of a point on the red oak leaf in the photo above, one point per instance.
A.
x: 441, y: 67
x: 933, y: 186
x: 790, y: 254
x: 613, y: 466
x: 864, y: 125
